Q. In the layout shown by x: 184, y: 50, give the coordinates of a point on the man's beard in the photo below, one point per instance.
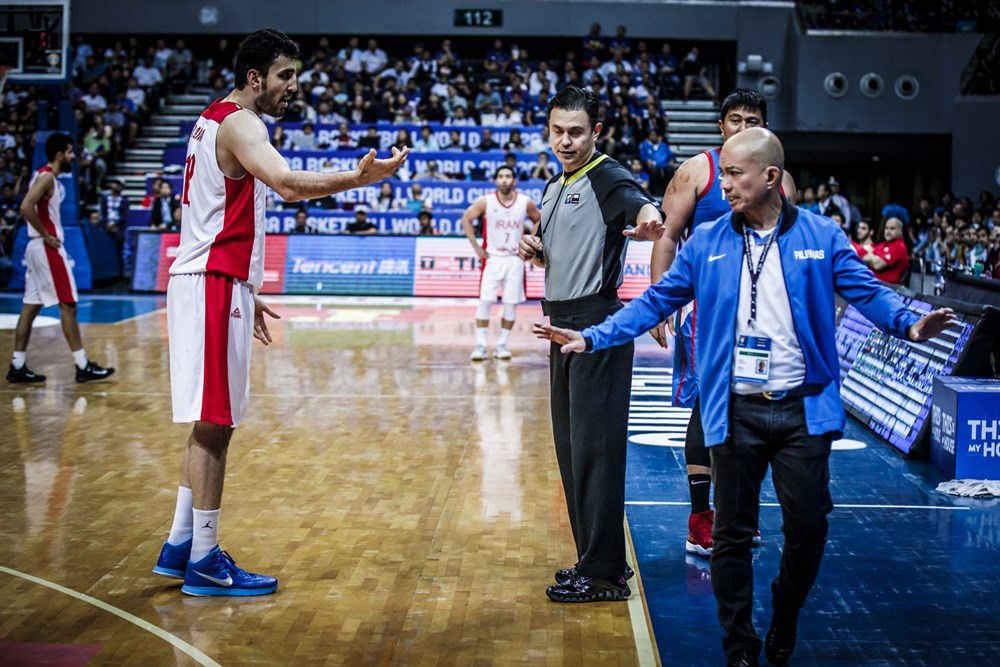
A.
x: 272, y: 109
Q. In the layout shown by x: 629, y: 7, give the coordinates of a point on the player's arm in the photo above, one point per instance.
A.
x: 477, y: 210
x: 44, y: 186
x: 534, y: 215
x: 788, y: 186
x: 243, y: 135
x: 679, y: 202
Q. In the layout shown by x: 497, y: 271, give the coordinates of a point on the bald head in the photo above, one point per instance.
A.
x: 760, y: 145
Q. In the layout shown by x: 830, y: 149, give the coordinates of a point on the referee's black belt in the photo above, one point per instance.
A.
x: 790, y: 395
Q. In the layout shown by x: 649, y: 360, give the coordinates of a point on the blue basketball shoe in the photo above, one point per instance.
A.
x: 173, y: 560
x: 217, y: 574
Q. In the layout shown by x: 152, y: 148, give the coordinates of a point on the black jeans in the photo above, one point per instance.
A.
x: 590, y: 398
x: 763, y: 432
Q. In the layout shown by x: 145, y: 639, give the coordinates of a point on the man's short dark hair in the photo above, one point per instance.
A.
x: 505, y: 167
x: 744, y: 98
x: 259, y: 50
x: 58, y: 142
x: 574, y: 98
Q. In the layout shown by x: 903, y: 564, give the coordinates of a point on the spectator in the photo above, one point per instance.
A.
x: 431, y: 172
x: 10, y: 205
x: 344, y: 140
x: 361, y: 226
x: 113, y: 212
x: 638, y: 173
x: 515, y: 142
x: 279, y: 138
x: 373, y: 58
x: 455, y: 141
x: 417, y: 200
x: 694, y: 71
x: 668, y: 72
x: 459, y: 117
x: 543, y: 168
x: 542, y: 83
x: 889, y: 260
x: 162, y: 212
x: 658, y: 160
x: 385, y: 201
x: 301, y: 223
x: 620, y: 43
x: 426, y: 224
x: 839, y: 200
x: 306, y: 140
x: 863, y: 240
x: 94, y: 100
x: 594, y: 43
x: 180, y: 68
x: 487, y: 143
x: 426, y: 143
x: 371, y: 139
x: 487, y: 103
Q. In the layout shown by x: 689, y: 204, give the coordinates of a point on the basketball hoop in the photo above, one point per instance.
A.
x: 4, y: 71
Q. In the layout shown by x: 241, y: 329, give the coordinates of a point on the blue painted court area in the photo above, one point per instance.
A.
x: 910, y: 576
x: 95, y: 309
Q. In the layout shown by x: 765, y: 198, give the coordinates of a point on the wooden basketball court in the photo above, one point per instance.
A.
x: 407, y: 500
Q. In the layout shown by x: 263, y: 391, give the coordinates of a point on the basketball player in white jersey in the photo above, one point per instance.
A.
x: 213, y: 311
x: 505, y: 213
x: 49, y: 278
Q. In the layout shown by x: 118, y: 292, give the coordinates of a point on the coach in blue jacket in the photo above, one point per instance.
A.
x: 768, y: 367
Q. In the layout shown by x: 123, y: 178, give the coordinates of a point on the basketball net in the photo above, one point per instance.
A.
x: 4, y: 71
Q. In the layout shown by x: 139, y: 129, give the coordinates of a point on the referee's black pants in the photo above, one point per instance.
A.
x: 762, y: 433
x: 590, y: 398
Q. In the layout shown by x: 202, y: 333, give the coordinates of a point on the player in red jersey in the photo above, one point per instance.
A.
x: 49, y: 278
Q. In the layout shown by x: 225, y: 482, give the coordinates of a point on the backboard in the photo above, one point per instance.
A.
x: 34, y: 40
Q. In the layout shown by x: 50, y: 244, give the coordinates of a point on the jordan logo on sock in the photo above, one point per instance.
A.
x: 208, y: 525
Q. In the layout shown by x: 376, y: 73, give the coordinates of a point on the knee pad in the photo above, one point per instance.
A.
x: 509, y: 311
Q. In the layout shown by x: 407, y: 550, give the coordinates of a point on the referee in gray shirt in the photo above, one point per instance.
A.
x: 588, y: 211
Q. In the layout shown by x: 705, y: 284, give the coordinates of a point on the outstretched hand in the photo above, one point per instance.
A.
x: 646, y: 230
x: 570, y: 340
x: 370, y: 170
x: 260, y: 331
x: 932, y: 324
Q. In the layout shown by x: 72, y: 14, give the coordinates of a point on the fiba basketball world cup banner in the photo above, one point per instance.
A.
x: 368, y: 265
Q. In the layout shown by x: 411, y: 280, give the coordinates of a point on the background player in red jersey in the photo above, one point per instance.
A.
x: 213, y: 310
x: 49, y: 278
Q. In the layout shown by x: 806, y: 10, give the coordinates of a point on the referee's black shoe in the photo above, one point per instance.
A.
x: 23, y: 374
x: 581, y: 588
x: 780, y: 641
x: 93, y: 372
x: 568, y: 573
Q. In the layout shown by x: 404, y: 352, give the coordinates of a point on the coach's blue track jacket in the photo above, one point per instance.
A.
x: 816, y: 259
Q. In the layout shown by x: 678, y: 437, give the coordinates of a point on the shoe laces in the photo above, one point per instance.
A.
x: 229, y: 563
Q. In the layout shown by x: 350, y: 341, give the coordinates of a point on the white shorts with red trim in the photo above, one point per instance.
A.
x: 49, y: 276
x: 210, y: 327
x: 504, y: 272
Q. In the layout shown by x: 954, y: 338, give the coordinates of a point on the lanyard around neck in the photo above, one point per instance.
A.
x: 755, y: 274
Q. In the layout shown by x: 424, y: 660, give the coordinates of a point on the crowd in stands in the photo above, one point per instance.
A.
x: 903, y: 15
x: 950, y: 233
x: 116, y: 88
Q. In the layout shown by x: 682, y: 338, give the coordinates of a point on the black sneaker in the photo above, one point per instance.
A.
x: 582, y: 588
x: 23, y: 374
x: 568, y: 573
x: 93, y: 372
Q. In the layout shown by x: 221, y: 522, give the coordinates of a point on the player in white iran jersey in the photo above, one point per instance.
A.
x: 48, y: 279
x: 213, y: 311
x: 505, y: 215
x: 222, y: 218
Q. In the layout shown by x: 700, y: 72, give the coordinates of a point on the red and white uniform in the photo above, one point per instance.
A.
x: 503, y: 229
x: 49, y: 276
x: 219, y: 267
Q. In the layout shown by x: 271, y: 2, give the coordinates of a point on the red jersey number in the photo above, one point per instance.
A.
x: 188, y: 173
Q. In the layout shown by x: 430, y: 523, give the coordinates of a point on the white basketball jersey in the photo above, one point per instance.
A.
x: 48, y: 209
x: 504, y: 224
x: 222, y: 218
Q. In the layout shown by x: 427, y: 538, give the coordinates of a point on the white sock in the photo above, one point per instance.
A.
x: 481, y: 334
x: 504, y: 335
x: 183, y: 526
x: 80, y: 357
x: 19, y: 360
x: 206, y: 533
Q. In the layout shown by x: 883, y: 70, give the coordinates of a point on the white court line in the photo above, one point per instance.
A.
x: 835, y: 505
x: 645, y: 648
x: 180, y: 644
